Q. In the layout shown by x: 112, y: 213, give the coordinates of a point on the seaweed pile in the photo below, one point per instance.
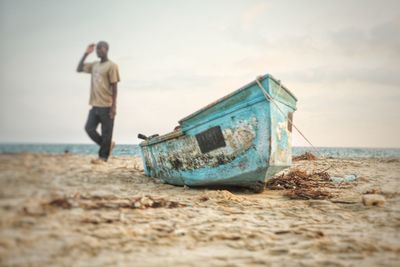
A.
x: 301, y: 185
x: 305, y: 156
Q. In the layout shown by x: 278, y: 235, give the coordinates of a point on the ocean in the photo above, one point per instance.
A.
x: 134, y: 150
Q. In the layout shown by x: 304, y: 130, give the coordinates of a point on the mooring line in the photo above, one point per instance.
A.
x: 271, y: 99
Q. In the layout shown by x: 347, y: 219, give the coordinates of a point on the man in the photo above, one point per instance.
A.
x: 103, y: 96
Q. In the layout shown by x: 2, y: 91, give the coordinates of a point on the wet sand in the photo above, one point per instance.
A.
x: 60, y: 210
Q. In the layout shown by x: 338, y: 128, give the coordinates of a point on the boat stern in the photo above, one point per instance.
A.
x: 282, y: 109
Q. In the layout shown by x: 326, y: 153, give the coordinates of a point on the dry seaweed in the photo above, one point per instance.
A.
x: 305, y: 156
x: 298, y: 179
x: 302, y: 185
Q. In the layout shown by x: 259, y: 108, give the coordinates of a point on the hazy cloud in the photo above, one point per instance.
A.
x: 176, y: 82
x: 381, y: 40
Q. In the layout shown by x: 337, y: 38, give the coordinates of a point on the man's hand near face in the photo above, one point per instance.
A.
x: 90, y: 48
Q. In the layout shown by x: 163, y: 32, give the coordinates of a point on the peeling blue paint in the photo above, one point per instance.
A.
x: 256, y: 140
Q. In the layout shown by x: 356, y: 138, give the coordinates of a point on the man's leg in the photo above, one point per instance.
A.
x: 91, y: 125
x: 107, y: 125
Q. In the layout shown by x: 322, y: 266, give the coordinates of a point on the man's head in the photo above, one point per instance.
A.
x: 102, y: 49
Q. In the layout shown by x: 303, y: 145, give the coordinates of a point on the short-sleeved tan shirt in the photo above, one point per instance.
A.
x: 103, y: 74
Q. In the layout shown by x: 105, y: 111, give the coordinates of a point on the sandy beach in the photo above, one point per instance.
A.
x: 60, y: 210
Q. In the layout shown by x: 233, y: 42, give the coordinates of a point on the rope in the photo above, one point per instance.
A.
x: 271, y: 99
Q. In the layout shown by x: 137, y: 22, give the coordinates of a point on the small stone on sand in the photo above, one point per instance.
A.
x: 373, y: 200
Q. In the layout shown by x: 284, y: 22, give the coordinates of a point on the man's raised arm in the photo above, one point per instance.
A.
x: 89, y: 50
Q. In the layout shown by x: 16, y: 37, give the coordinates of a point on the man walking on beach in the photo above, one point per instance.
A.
x: 103, y: 96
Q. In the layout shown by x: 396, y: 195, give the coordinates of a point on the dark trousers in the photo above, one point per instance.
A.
x: 100, y: 115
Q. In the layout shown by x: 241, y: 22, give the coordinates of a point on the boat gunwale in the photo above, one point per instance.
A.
x: 180, y: 132
x: 234, y: 93
x: 162, y: 138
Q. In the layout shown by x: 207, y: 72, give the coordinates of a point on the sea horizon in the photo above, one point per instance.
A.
x: 134, y: 150
x: 128, y: 144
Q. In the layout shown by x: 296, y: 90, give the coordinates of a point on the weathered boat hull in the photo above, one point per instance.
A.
x: 240, y: 140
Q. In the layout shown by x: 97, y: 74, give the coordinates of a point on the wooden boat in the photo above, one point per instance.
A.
x: 241, y: 139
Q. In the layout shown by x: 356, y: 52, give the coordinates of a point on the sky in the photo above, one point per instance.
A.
x: 340, y: 58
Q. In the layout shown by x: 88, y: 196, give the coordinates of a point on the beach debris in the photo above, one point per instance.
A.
x: 111, y: 202
x: 40, y: 207
x: 391, y: 160
x: 298, y: 179
x: 373, y: 200
x: 220, y: 196
x: 61, y: 202
x: 344, y: 179
x: 31, y: 209
x: 102, y: 218
x: 302, y: 185
x: 204, y: 198
x: 373, y: 191
x: 305, y: 156
x: 308, y: 193
x: 141, y: 202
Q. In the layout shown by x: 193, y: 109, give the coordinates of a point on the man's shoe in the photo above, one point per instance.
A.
x: 98, y: 161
